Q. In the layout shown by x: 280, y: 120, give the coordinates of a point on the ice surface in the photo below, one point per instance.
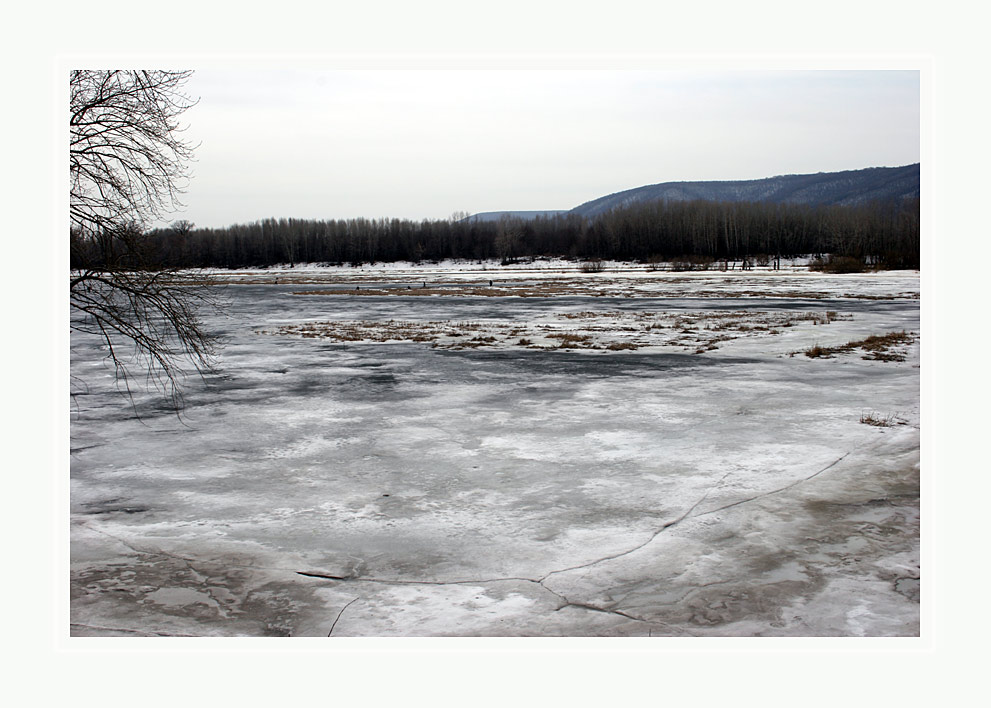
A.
x: 317, y: 486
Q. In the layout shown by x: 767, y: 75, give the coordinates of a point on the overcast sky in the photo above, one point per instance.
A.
x: 424, y: 144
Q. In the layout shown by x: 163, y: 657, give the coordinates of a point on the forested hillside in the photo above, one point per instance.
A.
x: 847, y: 188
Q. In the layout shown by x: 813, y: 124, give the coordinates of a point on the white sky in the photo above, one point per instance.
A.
x: 294, y: 142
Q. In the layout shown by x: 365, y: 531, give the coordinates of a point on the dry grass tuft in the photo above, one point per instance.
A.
x: 569, y: 340
x: 876, y: 346
x: 818, y: 352
x: 875, y: 419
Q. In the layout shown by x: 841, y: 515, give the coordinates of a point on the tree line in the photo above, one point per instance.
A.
x: 883, y: 234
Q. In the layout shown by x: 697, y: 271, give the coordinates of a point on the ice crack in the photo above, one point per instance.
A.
x: 336, y: 619
x: 781, y: 489
x: 654, y: 535
x: 564, y: 601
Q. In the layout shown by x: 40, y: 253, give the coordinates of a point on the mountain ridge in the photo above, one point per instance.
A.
x: 844, y: 188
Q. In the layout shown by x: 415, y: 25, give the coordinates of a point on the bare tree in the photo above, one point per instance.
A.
x: 509, y: 238
x: 128, y: 166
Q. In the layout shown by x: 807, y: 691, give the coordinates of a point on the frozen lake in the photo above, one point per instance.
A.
x: 711, y: 479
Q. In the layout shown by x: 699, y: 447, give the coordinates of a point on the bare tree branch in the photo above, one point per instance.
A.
x: 128, y: 167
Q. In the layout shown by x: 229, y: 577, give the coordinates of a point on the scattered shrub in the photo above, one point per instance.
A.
x: 838, y: 265
x: 691, y: 263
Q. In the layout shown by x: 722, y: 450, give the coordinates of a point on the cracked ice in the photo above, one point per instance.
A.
x: 324, y: 488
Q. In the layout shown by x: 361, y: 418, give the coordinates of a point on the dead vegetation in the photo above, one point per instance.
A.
x: 879, y: 421
x: 573, y: 340
x: 877, y: 347
x: 698, y: 332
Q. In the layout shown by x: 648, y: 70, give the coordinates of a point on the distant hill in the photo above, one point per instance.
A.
x: 526, y: 215
x: 847, y: 188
